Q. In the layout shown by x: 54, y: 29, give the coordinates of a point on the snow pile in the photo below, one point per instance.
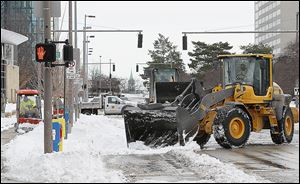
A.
x: 7, y: 123
x: 79, y: 162
x: 10, y: 107
x: 93, y: 137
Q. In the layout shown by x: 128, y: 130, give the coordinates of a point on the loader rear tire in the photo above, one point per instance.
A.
x: 232, y: 127
x: 285, y: 128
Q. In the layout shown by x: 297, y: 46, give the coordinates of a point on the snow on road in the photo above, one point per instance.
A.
x: 92, y: 139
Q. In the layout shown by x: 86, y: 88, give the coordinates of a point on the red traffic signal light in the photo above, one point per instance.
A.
x: 45, y: 52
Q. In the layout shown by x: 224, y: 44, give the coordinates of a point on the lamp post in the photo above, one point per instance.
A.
x: 87, y: 61
x: 297, y: 27
x: 100, y: 77
x: 110, y: 76
x: 85, y: 97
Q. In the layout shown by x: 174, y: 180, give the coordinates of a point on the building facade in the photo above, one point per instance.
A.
x: 18, y: 16
x: 275, y: 16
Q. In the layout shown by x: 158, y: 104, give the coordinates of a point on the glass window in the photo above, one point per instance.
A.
x: 164, y: 75
x: 112, y: 100
x: 28, y: 106
x: 247, y: 70
x: 278, y: 12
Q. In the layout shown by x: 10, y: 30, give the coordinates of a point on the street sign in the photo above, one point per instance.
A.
x: 70, y: 76
x: 296, y: 91
x: 71, y: 71
x: 78, y: 81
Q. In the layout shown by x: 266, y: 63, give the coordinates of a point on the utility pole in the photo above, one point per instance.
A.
x: 297, y: 27
x: 70, y: 99
x: 85, y: 93
x: 48, y: 85
x: 85, y: 99
x: 77, y: 64
x: 110, y: 76
x: 100, y: 77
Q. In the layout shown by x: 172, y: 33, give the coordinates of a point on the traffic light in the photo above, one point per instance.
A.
x: 137, y: 68
x: 114, y: 67
x: 184, y: 42
x: 68, y: 53
x: 140, y: 40
x: 45, y: 52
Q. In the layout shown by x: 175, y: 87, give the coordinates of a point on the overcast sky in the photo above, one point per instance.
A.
x: 168, y: 18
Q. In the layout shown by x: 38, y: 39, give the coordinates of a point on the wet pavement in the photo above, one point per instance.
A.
x: 153, y: 168
x: 277, y: 163
x: 260, y: 157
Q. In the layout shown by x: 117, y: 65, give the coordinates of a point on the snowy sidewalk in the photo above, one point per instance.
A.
x: 95, y: 148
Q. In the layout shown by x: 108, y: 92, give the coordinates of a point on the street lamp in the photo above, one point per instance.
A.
x: 85, y: 96
x: 87, y: 61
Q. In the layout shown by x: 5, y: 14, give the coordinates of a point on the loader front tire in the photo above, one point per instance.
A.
x: 285, y: 128
x: 232, y: 127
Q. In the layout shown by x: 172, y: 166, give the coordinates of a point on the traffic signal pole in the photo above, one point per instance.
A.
x: 48, y: 85
x: 70, y: 98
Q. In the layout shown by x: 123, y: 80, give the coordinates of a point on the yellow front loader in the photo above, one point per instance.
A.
x: 249, y: 101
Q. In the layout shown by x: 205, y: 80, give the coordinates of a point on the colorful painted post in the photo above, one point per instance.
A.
x: 66, y: 123
x: 62, y: 132
x: 56, y: 126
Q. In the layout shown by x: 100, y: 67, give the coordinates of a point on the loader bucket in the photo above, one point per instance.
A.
x: 168, y: 91
x: 156, y: 127
x: 155, y: 124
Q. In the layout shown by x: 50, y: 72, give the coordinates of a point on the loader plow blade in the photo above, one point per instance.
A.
x: 153, y: 127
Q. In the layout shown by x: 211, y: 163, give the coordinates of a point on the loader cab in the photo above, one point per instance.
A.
x: 254, y: 72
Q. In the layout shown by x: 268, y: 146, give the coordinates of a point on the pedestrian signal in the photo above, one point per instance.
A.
x: 45, y: 52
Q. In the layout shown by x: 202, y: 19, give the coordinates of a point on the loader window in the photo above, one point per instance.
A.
x: 239, y: 70
x: 248, y: 71
x: 165, y: 75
